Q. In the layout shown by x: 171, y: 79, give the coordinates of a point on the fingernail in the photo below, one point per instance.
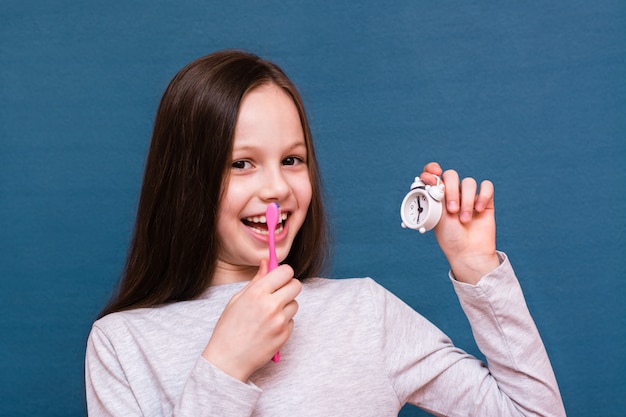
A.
x: 453, y: 206
x: 466, y: 217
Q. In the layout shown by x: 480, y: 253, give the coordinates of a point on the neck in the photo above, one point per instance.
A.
x: 228, y: 274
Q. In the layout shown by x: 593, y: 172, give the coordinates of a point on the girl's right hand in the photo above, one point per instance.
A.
x: 256, y: 322
x: 466, y: 232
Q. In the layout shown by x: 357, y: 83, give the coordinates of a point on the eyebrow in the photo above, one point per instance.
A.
x: 295, y: 145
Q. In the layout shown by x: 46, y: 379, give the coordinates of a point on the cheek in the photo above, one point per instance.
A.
x: 222, y: 230
x: 304, y: 192
x: 233, y: 198
x: 227, y: 212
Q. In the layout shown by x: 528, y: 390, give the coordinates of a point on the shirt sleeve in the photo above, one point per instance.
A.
x: 427, y: 370
x: 107, y: 390
x: 506, y: 334
x: 211, y: 392
x: 207, y: 392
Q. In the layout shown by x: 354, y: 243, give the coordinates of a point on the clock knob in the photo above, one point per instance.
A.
x: 435, y: 192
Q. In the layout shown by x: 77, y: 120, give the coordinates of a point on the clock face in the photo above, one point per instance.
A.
x: 417, y: 208
x: 421, y: 208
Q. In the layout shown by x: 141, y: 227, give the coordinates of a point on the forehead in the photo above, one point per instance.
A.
x: 267, y: 114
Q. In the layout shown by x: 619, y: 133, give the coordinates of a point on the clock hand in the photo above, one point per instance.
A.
x: 419, y: 209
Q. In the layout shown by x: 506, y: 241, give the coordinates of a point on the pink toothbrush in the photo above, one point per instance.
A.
x: 272, y: 216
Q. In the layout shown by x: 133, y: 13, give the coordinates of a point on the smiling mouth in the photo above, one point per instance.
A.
x: 258, y: 224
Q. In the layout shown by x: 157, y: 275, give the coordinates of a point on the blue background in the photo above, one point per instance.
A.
x: 530, y: 95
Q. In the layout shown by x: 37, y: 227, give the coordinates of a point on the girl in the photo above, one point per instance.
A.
x: 198, y: 317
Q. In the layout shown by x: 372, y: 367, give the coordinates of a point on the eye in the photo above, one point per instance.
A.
x: 241, y: 164
x: 293, y: 160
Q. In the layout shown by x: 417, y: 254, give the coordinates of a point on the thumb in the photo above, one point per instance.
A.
x: 263, y: 270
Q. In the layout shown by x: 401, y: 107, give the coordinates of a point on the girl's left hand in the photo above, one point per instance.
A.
x: 466, y: 232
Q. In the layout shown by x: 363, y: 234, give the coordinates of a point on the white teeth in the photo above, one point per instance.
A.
x: 256, y: 219
x: 265, y: 232
x: 262, y: 219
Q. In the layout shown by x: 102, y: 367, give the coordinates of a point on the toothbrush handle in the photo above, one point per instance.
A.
x: 273, y: 261
x: 276, y: 357
x: 272, y: 265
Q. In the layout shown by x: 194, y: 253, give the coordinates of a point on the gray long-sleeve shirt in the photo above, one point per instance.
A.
x: 356, y: 349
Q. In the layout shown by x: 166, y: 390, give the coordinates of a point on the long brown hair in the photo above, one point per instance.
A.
x: 173, y: 251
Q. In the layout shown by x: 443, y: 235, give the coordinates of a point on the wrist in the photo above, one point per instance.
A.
x: 472, y: 267
x: 221, y: 362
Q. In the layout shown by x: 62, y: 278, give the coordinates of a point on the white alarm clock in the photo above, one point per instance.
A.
x: 422, y: 206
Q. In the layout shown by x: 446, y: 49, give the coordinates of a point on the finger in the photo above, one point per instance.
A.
x: 433, y: 168
x: 288, y: 292
x: 265, y: 281
x: 451, y: 181
x: 288, y: 331
x: 276, y: 278
x: 429, y: 178
x: 485, y: 196
x: 431, y: 173
x: 287, y: 327
x: 263, y: 269
x: 291, y: 309
x: 468, y: 197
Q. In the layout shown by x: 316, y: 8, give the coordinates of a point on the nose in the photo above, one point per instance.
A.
x: 275, y: 186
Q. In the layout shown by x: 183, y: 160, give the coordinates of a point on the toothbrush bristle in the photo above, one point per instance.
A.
x: 272, y: 214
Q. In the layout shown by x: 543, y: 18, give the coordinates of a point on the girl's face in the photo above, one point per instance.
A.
x: 269, y: 164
